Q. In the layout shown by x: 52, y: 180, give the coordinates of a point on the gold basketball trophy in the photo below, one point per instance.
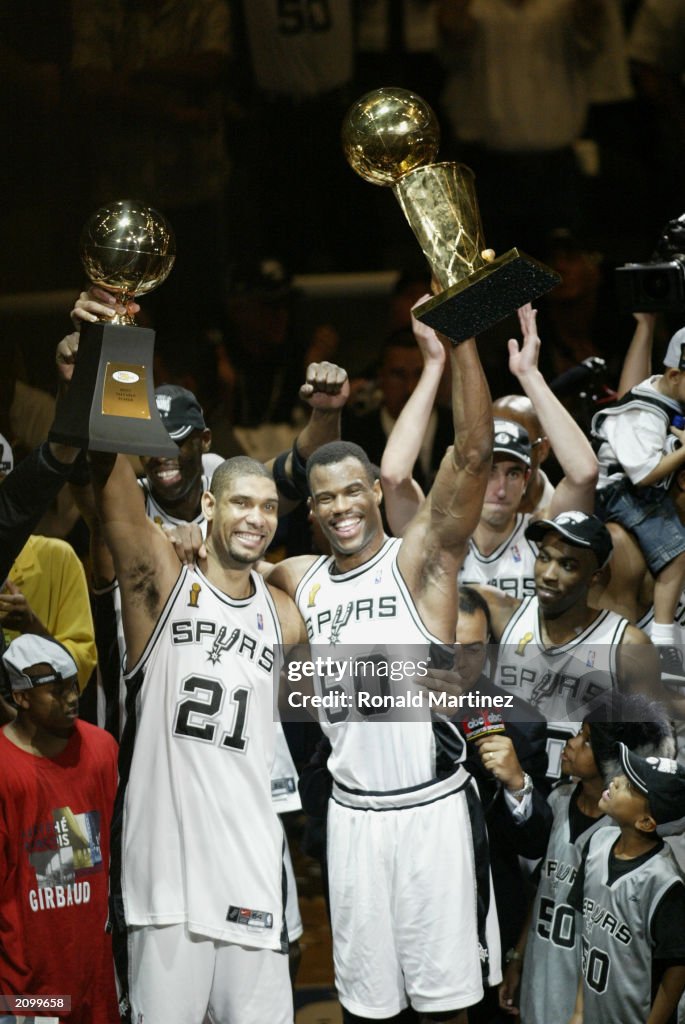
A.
x: 390, y: 137
x: 128, y: 249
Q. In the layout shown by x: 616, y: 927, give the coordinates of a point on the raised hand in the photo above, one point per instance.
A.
x: 326, y: 386
x: 524, y: 359
x: 96, y: 304
x: 432, y: 349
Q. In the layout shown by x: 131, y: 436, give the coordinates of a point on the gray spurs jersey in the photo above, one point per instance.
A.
x: 616, y: 931
x: 551, y: 963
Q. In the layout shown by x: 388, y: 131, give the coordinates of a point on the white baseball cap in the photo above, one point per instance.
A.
x: 29, y: 650
x: 675, y: 353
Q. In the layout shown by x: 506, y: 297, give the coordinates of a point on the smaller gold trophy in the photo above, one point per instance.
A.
x: 128, y: 249
x: 390, y: 137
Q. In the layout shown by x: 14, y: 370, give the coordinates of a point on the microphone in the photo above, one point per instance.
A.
x: 483, y: 723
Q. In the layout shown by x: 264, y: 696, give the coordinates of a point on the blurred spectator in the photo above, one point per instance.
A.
x: 288, y: 193
x: 579, y: 318
x: 261, y: 362
x: 149, y: 76
x: 26, y: 415
x: 516, y: 97
x: 399, y: 370
x: 40, y: 178
x: 396, y: 43
x: 657, y: 49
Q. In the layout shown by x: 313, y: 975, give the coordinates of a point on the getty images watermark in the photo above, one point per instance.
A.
x: 397, y: 683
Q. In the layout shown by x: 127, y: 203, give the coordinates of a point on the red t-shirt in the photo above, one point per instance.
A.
x: 55, y: 818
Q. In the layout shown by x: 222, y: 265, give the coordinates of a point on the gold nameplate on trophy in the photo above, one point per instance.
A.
x: 125, y: 391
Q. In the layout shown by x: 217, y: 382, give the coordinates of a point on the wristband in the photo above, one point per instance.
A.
x: 284, y: 484
x: 53, y: 464
x: 300, y: 472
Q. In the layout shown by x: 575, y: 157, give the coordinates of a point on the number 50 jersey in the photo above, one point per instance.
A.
x: 195, y: 835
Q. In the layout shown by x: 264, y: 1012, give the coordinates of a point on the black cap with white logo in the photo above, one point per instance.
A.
x: 512, y: 439
x: 578, y: 529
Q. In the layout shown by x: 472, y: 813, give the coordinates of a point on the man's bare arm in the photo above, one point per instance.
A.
x: 401, y: 493
x: 434, y: 543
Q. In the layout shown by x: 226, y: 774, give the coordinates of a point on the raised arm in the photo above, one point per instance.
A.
x: 435, y: 541
x: 637, y: 364
x: 569, y: 443
x: 402, y: 495
x: 325, y: 390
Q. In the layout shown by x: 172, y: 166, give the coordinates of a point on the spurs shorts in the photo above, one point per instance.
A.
x: 179, y: 978
x: 413, y: 918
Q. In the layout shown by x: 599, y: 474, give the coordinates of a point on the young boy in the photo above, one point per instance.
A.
x: 546, y: 958
x: 631, y: 895
x: 638, y: 455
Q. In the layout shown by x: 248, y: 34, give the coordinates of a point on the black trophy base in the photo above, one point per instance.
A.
x: 110, y: 405
x: 487, y: 296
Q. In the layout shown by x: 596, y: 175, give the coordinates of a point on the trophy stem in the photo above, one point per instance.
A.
x: 439, y: 201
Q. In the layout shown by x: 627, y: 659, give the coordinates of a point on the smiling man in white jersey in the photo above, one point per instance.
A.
x: 410, y: 924
x: 557, y: 652
x: 196, y: 893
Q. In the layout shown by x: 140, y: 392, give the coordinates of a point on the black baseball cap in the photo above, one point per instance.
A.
x: 578, y: 529
x: 512, y: 439
x: 265, y: 279
x: 179, y: 411
x: 661, y: 779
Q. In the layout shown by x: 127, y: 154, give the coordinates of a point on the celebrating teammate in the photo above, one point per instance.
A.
x: 402, y: 882
x: 197, y: 900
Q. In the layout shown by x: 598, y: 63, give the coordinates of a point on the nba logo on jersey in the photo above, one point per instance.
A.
x: 260, y: 620
x: 378, y: 577
x: 590, y: 662
x: 516, y: 554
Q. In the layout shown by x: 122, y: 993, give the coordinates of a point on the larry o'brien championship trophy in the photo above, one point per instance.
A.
x: 128, y: 249
x: 390, y: 136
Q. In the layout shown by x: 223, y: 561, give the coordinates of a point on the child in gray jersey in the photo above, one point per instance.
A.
x: 546, y: 958
x: 631, y: 895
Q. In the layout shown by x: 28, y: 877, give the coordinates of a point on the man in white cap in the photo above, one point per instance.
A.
x: 57, y: 790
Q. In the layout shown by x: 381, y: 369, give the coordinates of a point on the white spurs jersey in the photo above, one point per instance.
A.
x: 285, y: 778
x: 158, y: 515
x: 510, y: 567
x: 552, y: 959
x: 198, y: 839
x: 559, y: 681
x: 369, y: 612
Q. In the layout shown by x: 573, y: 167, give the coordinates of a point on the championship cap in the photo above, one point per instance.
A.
x: 661, y: 779
x: 578, y: 529
x: 29, y: 650
x: 675, y: 353
x: 6, y: 456
x: 512, y: 439
x: 179, y: 411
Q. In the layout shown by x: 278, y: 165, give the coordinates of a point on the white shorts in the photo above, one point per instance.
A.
x: 292, y: 908
x: 410, y: 921
x: 179, y: 978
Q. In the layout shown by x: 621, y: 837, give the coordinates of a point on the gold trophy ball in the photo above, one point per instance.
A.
x: 389, y: 132
x: 127, y: 248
